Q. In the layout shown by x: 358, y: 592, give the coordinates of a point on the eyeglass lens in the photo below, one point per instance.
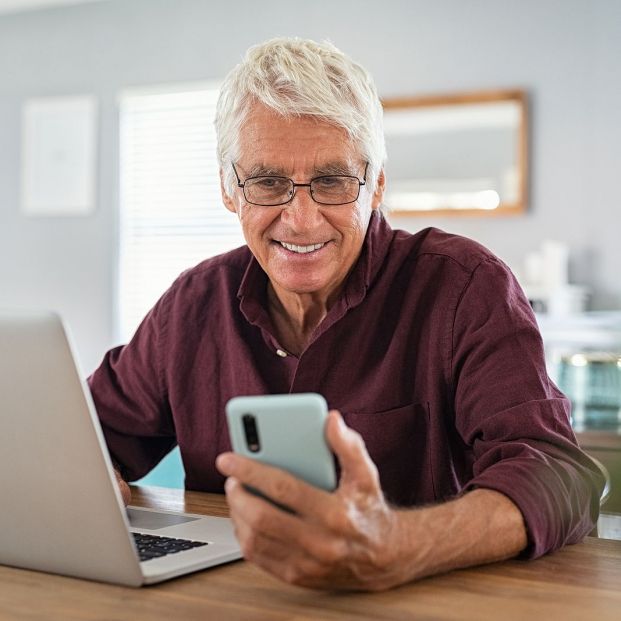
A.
x: 329, y: 190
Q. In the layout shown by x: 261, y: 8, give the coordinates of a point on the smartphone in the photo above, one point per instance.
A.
x: 286, y: 431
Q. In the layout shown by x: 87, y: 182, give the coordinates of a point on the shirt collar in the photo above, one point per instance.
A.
x: 252, y: 291
x: 376, y: 243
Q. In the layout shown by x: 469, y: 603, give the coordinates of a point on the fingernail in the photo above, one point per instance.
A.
x: 224, y: 461
x: 340, y: 421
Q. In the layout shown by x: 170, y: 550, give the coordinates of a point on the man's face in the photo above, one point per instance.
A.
x: 301, y: 148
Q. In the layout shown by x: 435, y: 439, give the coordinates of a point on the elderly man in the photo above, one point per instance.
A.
x: 454, y: 446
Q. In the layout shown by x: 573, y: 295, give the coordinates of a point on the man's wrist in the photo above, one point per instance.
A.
x: 480, y: 527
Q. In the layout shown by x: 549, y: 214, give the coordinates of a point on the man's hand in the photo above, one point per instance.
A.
x: 351, y: 539
x: 126, y: 493
x: 347, y: 539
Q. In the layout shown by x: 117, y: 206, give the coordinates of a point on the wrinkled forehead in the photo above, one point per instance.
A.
x: 270, y: 143
x: 255, y: 112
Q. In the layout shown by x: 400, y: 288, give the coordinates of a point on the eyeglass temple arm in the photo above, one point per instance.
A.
x: 239, y: 181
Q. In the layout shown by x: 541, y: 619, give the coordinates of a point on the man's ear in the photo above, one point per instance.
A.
x: 378, y: 194
x: 228, y: 201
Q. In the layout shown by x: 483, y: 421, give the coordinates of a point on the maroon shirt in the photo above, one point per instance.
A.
x: 431, y: 352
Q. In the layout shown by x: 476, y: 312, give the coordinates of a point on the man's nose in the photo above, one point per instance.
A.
x: 302, y: 213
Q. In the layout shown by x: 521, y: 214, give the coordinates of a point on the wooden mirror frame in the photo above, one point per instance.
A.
x: 481, y: 97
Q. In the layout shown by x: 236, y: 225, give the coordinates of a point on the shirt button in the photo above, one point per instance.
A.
x: 281, y: 353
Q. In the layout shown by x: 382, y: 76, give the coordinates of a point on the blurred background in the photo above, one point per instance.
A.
x: 117, y: 97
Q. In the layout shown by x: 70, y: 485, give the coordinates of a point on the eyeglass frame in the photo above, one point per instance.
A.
x: 295, y: 185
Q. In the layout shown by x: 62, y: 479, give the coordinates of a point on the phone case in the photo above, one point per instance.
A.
x: 290, y: 434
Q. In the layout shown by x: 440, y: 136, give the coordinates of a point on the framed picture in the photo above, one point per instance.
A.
x: 59, y: 145
x: 457, y: 154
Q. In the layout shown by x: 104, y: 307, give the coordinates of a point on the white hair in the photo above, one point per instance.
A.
x: 300, y: 77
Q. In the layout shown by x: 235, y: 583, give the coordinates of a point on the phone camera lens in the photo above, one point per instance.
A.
x: 251, y: 432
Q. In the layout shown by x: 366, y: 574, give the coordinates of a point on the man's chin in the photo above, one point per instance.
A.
x: 300, y: 286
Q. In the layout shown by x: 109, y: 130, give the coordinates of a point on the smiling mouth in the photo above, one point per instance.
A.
x: 302, y: 249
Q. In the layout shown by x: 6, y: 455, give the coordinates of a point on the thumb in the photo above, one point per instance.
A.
x: 348, y: 446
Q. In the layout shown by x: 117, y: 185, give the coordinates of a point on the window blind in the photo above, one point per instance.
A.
x: 171, y: 211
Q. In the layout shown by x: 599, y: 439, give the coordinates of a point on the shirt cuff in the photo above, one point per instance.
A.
x: 553, y: 515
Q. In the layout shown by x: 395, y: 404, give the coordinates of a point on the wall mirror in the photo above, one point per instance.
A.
x: 457, y: 154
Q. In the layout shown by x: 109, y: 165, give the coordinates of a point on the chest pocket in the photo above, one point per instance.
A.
x: 398, y: 442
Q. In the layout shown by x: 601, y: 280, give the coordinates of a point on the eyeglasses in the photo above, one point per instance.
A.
x: 270, y: 190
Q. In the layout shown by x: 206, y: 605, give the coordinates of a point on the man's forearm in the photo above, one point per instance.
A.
x: 480, y: 527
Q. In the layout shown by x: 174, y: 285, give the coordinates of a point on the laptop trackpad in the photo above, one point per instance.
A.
x: 152, y: 520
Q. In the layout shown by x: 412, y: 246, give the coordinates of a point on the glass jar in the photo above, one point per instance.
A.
x: 592, y: 380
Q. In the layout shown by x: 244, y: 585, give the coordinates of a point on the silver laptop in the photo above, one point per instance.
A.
x: 61, y: 509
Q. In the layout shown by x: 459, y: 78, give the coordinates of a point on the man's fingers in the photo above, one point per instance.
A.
x: 285, y: 489
x: 276, y: 556
x: 287, y: 546
x: 356, y: 464
x: 126, y: 493
x: 258, y: 522
x: 276, y: 484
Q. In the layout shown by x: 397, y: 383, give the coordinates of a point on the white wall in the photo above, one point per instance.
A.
x: 564, y: 52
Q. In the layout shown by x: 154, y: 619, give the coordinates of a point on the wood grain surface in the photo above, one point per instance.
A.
x: 579, y: 582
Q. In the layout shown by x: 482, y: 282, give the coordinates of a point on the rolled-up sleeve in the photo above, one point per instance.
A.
x: 513, y: 416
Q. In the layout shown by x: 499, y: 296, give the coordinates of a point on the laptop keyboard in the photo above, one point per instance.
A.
x: 154, y: 546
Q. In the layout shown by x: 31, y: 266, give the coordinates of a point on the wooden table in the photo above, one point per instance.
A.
x: 578, y: 582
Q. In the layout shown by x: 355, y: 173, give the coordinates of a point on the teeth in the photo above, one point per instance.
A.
x: 301, y: 249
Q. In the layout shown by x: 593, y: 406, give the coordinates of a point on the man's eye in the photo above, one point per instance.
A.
x: 328, y: 182
x: 270, y: 183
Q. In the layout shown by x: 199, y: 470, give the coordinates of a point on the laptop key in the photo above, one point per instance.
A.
x: 156, y: 546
